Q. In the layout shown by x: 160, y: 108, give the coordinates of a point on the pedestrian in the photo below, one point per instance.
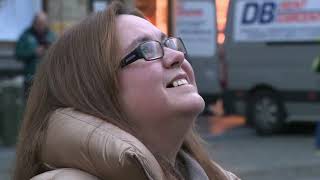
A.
x: 316, y: 68
x: 114, y: 98
x: 32, y: 45
x: 318, y: 138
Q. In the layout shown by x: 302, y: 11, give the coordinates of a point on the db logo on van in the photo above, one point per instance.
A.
x: 280, y: 11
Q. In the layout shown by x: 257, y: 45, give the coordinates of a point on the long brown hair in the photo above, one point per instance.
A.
x: 80, y: 71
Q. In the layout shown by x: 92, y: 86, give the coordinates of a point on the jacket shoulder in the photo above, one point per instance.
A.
x: 102, y: 149
x: 65, y: 174
x: 26, y: 34
x: 229, y: 175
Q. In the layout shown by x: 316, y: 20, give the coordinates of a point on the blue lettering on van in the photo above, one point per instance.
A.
x: 250, y: 13
x: 267, y: 13
x: 262, y: 13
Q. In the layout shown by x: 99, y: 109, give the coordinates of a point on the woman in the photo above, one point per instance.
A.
x: 115, y: 98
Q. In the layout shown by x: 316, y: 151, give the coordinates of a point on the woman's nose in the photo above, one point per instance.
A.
x: 173, y: 58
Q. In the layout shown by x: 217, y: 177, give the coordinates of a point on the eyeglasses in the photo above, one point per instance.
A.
x: 153, y: 50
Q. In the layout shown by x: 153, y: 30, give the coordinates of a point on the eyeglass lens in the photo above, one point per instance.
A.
x: 176, y: 44
x: 153, y: 50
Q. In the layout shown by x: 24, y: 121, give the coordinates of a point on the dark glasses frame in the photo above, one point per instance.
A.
x: 137, y: 53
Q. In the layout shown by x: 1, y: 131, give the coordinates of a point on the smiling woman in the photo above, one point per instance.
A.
x: 114, y: 98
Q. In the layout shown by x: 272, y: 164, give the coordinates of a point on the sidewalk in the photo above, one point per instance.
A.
x: 266, y: 158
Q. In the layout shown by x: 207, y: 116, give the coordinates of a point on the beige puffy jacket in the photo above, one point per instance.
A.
x: 83, y: 147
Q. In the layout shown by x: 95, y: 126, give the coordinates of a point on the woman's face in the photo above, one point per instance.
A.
x: 146, y: 91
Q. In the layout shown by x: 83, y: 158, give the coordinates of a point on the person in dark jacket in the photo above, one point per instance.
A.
x: 316, y: 65
x: 316, y: 68
x: 32, y: 45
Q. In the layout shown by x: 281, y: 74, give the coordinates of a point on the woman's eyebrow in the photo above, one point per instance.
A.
x: 137, y: 41
x: 141, y: 39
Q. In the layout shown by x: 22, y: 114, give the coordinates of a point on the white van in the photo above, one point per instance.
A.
x: 269, y: 49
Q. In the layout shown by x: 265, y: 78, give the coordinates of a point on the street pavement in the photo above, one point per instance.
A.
x: 289, y: 155
x: 279, y: 157
x: 274, y: 158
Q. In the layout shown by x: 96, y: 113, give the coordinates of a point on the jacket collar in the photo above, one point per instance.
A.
x: 81, y: 141
x: 194, y: 169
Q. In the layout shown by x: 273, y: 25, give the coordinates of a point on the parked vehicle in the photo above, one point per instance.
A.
x: 269, y: 49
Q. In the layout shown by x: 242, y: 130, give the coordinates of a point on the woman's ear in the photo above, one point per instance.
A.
x: 316, y: 65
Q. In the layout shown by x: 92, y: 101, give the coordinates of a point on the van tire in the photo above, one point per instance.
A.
x: 266, y: 112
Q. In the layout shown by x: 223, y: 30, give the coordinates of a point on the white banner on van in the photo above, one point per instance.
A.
x: 15, y: 16
x: 195, y: 25
x: 277, y: 20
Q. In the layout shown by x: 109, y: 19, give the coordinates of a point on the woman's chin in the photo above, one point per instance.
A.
x: 191, y: 106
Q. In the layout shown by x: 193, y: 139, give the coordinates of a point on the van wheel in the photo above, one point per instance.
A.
x: 266, y: 112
